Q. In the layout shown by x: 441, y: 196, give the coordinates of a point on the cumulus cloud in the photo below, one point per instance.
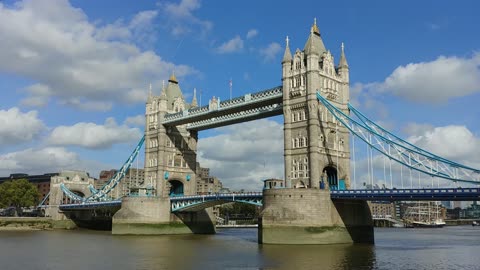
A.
x: 70, y: 58
x: 456, y: 143
x: 271, y: 51
x: 233, y: 45
x: 45, y: 160
x: 181, y: 20
x: 435, y: 81
x: 242, y: 155
x: 252, y: 33
x: 86, y: 105
x: 91, y: 135
x: 138, y: 120
x: 17, y: 127
x: 453, y: 142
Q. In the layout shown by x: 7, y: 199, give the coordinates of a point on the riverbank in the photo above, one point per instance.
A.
x: 34, y: 224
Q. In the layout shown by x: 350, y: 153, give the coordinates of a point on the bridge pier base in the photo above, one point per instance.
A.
x: 309, y: 216
x: 152, y: 216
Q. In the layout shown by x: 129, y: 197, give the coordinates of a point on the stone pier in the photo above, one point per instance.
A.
x: 151, y: 215
x: 309, y: 216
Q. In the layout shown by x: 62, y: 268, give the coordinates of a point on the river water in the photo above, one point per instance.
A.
x: 395, y: 248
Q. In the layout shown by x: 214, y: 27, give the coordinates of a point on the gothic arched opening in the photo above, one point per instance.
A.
x: 79, y: 193
x: 300, y: 184
x: 176, y: 188
x: 332, y: 177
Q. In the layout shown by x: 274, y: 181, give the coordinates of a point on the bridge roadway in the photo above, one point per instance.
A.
x: 197, y: 202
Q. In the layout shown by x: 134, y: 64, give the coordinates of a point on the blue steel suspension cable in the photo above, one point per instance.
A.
x: 339, y: 114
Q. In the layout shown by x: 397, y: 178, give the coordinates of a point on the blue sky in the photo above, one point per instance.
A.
x: 74, y: 75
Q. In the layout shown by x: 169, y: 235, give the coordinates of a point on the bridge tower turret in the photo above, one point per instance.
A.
x: 316, y: 146
x: 317, y: 156
x: 170, y: 153
x: 170, y: 164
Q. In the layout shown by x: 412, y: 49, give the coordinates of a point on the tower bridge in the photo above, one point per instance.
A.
x: 317, y: 203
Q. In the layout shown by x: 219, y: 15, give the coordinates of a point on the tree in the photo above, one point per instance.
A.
x: 239, y: 209
x: 18, y: 193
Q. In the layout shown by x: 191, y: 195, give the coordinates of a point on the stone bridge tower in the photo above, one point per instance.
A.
x: 317, y: 156
x: 170, y: 164
x: 170, y: 153
x: 316, y: 145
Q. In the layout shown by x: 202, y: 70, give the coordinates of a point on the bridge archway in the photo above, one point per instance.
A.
x: 331, y: 175
x: 176, y: 188
x: 300, y: 184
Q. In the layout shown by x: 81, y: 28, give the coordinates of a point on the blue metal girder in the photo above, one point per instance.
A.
x: 90, y: 205
x: 428, y: 194
x: 402, y: 153
x: 102, y: 193
x: 198, y: 202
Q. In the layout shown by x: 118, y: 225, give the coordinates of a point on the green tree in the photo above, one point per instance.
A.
x: 246, y: 210
x: 18, y: 193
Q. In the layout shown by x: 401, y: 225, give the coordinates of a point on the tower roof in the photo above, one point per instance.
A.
x: 173, y: 79
x: 287, y: 56
x: 172, y: 91
x: 194, y: 99
x: 314, y: 43
x: 343, y: 59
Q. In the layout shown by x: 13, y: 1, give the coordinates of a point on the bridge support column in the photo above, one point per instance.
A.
x: 309, y: 216
x: 151, y: 215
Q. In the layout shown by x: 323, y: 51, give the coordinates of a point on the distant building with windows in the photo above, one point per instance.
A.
x: 41, y: 181
x: 133, y: 179
x: 205, y: 183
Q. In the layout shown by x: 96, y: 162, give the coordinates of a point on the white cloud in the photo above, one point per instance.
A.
x: 70, y: 58
x: 45, y: 160
x: 180, y: 19
x: 233, y: 45
x: 252, y: 33
x: 242, y: 155
x: 271, y: 51
x: 435, y: 81
x: 416, y: 129
x: 457, y: 143
x: 17, y: 127
x: 138, y: 120
x: 86, y: 105
x: 91, y: 135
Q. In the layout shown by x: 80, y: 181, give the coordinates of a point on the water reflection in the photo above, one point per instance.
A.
x: 448, y: 248
x: 319, y: 256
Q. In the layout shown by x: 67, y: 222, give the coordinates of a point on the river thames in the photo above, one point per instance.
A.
x: 395, y: 248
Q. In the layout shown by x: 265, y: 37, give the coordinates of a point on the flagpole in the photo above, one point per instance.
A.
x: 230, y: 88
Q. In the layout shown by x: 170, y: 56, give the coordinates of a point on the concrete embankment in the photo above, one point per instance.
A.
x: 457, y: 222
x: 33, y: 224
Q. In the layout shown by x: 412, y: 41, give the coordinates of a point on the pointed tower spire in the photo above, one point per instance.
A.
x: 173, y: 79
x: 194, y: 100
x: 287, y: 56
x: 315, y: 27
x: 314, y: 43
x: 343, y: 59
x: 163, y: 94
x: 150, y: 91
